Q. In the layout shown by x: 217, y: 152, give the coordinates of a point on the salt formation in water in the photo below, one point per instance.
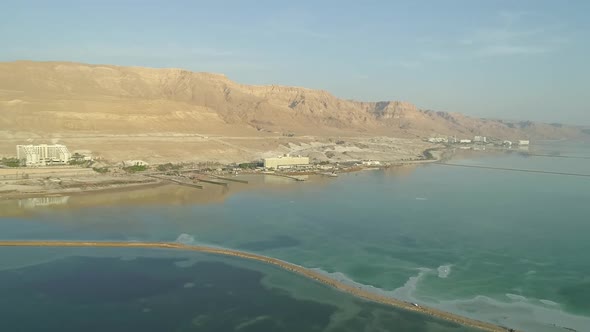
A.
x: 444, y: 271
x: 185, y: 239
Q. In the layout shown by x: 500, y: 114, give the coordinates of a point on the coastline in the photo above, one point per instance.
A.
x: 313, y: 275
x: 88, y: 185
x: 18, y: 194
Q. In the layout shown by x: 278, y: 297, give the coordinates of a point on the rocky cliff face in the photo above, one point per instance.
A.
x: 55, y: 97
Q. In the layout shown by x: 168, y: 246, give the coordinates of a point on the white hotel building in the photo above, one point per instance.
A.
x: 285, y: 161
x: 43, y: 154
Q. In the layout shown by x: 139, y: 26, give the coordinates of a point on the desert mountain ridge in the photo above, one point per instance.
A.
x: 77, y: 93
x: 64, y: 99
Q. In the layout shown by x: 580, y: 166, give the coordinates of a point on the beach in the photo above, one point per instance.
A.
x: 28, y: 182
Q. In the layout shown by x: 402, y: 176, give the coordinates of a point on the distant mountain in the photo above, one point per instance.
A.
x: 48, y: 98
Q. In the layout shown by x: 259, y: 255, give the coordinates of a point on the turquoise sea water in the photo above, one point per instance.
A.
x: 150, y: 290
x: 506, y: 247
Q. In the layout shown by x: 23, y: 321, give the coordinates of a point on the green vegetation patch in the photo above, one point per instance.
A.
x: 135, y: 168
x: 10, y: 162
x: 83, y: 163
x: 101, y: 170
x: 249, y: 165
x: 168, y: 167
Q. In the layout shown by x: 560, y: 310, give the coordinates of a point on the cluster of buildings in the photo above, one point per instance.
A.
x: 43, y: 154
x: 475, y: 140
x: 290, y: 162
x: 454, y: 140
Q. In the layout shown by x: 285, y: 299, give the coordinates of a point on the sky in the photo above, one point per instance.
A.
x: 515, y: 59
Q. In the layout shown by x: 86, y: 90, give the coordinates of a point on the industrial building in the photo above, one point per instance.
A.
x: 43, y: 154
x: 285, y: 161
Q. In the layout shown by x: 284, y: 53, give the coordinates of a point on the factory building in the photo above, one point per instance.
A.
x: 43, y: 154
x: 285, y: 161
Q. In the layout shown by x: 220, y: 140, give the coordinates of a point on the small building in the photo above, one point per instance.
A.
x: 507, y: 143
x: 129, y: 163
x: 437, y: 140
x: 524, y: 142
x: 371, y: 163
x: 43, y: 154
x: 285, y: 161
x: 465, y: 141
x: 82, y: 155
x: 480, y: 139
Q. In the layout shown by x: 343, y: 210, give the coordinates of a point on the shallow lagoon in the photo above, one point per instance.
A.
x: 154, y: 290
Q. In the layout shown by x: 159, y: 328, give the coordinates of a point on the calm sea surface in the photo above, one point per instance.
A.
x: 148, y: 290
x: 506, y: 247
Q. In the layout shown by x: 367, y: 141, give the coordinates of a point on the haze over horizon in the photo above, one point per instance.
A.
x: 499, y: 59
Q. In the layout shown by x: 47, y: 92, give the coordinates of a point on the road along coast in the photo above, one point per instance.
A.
x: 277, y: 262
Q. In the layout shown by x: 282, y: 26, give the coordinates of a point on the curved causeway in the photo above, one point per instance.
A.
x: 277, y: 262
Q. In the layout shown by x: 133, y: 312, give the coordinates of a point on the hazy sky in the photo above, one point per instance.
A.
x: 504, y: 59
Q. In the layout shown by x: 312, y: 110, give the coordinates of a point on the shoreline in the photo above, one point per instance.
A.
x: 154, y: 183
x: 305, y: 272
x: 16, y: 194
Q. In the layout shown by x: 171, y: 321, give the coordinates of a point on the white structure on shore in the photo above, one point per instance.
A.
x: 465, y: 141
x: 130, y: 163
x: 371, y: 163
x: 438, y: 140
x: 43, y: 154
x: 480, y: 139
x: 524, y: 142
x: 285, y: 161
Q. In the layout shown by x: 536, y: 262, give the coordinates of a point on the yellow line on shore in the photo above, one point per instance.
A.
x: 269, y: 260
